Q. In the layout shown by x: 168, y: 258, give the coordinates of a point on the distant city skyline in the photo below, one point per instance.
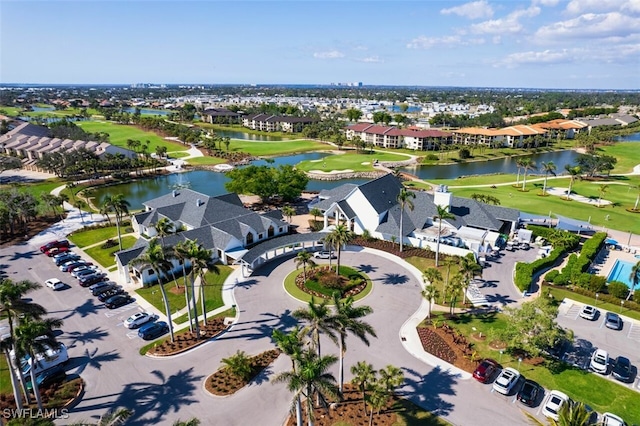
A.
x: 554, y: 44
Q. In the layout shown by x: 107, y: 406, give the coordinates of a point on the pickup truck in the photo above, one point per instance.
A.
x: 50, y: 358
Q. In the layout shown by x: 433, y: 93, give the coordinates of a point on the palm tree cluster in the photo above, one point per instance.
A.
x: 17, y: 210
x: 120, y: 208
x: 29, y: 334
x: 468, y: 268
x: 309, y: 377
x: 376, y: 386
x: 487, y: 199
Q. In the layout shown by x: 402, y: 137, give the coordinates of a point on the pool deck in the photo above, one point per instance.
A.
x: 603, y: 263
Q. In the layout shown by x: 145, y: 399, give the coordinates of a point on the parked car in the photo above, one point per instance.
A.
x: 613, y: 321
x: 105, y: 295
x: 98, y: 288
x: 68, y: 267
x: 118, y: 300
x: 528, y: 393
x: 64, y: 259
x: 52, y: 244
x: 92, y: 279
x: 81, y: 268
x: 588, y: 312
x: 56, y: 250
x: 153, y: 330
x: 138, y: 319
x: 49, y: 357
x: 48, y: 377
x: 609, y: 419
x: 506, y: 381
x: 554, y: 404
x: 89, y: 271
x: 485, y: 370
x: 63, y: 254
x: 599, y: 361
x: 622, y: 369
x: 324, y: 255
x: 54, y: 284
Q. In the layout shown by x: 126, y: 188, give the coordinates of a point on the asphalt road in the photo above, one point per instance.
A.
x: 161, y: 391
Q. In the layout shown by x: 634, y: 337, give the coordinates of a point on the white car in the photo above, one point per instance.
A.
x: 554, y: 404
x: 54, y: 284
x: 74, y: 272
x: 609, y: 419
x: 136, y: 320
x: 324, y: 255
x: 506, y: 381
x: 599, y: 361
x: 588, y: 313
x: 66, y: 253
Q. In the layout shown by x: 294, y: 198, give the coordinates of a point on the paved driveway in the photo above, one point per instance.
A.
x: 164, y: 390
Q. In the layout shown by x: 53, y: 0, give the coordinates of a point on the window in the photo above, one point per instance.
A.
x: 249, y: 238
x: 260, y: 236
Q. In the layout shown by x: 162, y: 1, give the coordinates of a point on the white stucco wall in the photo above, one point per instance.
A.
x: 368, y: 217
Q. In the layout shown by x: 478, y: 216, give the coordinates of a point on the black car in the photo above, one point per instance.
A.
x: 118, y: 300
x: 92, y: 279
x: 529, y: 392
x: 65, y: 259
x: 153, y: 330
x: 622, y: 369
x: 105, y: 295
x: 101, y: 287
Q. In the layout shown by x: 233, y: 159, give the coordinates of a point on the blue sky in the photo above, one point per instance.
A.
x: 536, y: 43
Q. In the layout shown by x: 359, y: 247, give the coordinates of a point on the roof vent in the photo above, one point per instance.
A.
x: 199, y: 202
x: 174, y: 193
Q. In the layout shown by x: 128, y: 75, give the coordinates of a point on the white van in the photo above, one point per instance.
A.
x: 50, y: 358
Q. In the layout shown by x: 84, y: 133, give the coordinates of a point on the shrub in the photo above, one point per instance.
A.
x: 525, y: 271
x: 551, y: 275
x: 431, y: 157
x: 618, y: 289
x: 330, y: 280
x: 464, y: 153
x: 561, y: 280
x: 108, y: 244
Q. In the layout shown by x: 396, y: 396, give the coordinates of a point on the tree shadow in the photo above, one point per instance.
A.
x: 425, y: 390
x: 263, y: 377
x: 394, y: 279
x: 23, y: 255
x: 84, y: 310
x: 92, y: 359
x: 367, y: 269
x: 488, y: 283
x: 260, y: 328
x: 499, y: 298
x: 246, y: 284
x: 90, y: 336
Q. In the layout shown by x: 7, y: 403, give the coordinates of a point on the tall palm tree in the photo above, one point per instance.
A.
x: 519, y: 165
x: 404, y: 199
x: 311, y: 378
x: 469, y: 268
x: 319, y: 319
x: 288, y: 211
x: 634, y: 277
x: 163, y: 227
x: 181, y: 252
x: 291, y: 344
x: 154, y: 258
x: 35, y: 337
x: 340, y: 236
x: 430, y: 293
x: 315, y: 212
x: 573, y: 172
x: 548, y: 168
x: 330, y: 244
x: 6, y: 344
x: 601, y: 191
x: 455, y: 286
x: 527, y: 164
x: 363, y: 377
x: 390, y: 378
x: 191, y: 422
x: 443, y: 213
x: 120, y: 207
x: 200, y: 259
x: 348, y: 320
x: 304, y: 258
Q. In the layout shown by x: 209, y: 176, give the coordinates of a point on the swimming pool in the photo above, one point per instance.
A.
x: 620, y: 272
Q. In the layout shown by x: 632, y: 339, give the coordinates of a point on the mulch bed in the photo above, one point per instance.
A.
x: 350, y: 411
x: 301, y: 283
x: 445, y: 343
x: 188, y: 340
x: 57, y: 395
x: 36, y: 226
x: 223, y: 382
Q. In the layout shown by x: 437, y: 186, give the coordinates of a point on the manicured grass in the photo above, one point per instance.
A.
x: 205, y: 161
x: 10, y: 111
x: 423, y: 263
x: 270, y: 149
x: 241, y: 128
x: 212, y: 291
x: 410, y: 414
x: 120, y: 133
x: 36, y: 188
x: 88, y: 236
x: 561, y: 294
x: 349, y: 161
x: 5, y: 377
x: 627, y: 153
x: 105, y: 256
x: 576, y: 383
x: 178, y: 154
x: 291, y: 287
x: 228, y: 313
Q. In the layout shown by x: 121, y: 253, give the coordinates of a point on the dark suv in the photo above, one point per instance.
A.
x: 92, y: 279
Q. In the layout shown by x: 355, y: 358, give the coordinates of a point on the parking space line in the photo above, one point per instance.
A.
x: 118, y: 311
x: 573, y: 312
x: 132, y: 334
x: 634, y: 332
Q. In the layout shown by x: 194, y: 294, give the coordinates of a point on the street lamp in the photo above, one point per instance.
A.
x: 621, y: 303
x: 519, y: 362
x: 597, y: 295
x: 500, y: 359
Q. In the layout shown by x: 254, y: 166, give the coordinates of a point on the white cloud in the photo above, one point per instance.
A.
x: 474, y: 10
x: 578, y: 7
x: 424, y: 42
x: 546, y: 2
x: 507, y: 25
x: 632, y: 6
x: 329, y: 54
x: 590, y: 25
x: 533, y: 58
x: 496, y: 39
x: 372, y: 59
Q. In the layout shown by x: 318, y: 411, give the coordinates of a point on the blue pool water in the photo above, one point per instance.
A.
x: 621, y: 272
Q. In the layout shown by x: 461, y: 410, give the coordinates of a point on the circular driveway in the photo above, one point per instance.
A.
x: 164, y: 390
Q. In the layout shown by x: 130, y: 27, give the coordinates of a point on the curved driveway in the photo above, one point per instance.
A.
x: 164, y: 390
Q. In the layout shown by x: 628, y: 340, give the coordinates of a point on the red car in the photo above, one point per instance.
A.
x: 485, y: 370
x: 56, y: 250
x: 52, y: 244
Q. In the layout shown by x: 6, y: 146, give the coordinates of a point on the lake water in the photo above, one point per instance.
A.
x: 146, y: 111
x: 204, y: 181
x: 502, y: 165
x: 246, y: 136
x: 634, y: 137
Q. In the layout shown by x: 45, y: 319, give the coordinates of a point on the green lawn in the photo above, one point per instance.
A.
x: 291, y: 287
x: 5, y: 377
x: 89, y: 236
x: 349, y: 161
x: 120, y: 133
x: 576, y: 383
x: 627, y: 153
x: 423, y: 263
x: 37, y: 188
x: 105, y: 256
x: 205, y: 161
x: 212, y: 291
x: 10, y: 111
x: 270, y: 149
x: 178, y: 154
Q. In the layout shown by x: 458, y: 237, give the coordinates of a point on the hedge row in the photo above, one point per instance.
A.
x: 526, y: 271
x: 628, y: 304
x: 577, y: 265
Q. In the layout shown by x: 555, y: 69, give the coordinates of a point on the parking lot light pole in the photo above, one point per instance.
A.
x: 597, y: 295
x: 621, y: 303
x: 519, y: 362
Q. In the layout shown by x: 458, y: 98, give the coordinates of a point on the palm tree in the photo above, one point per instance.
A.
x: 200, y: 259
x: 468, y: 268
x: 304, y: 258
x: 527, y: 164
x: 573, y: 172
x: 430, y: 293
x: 404, y: 198
x: 291, y: 344
x: 572, y: 413
x: 120, y: 207
x: 181, y: 253
x: 519, y: 164
x: 319, y: 319
x: 453, y: 288
x: 288, y: 211
x: 239, y: 365
x: 364, y: 377
x: 390, y: 378
x: 79, y: 204
x: 315, y: 212
x: 340, y: 236
x: 310, y: 378
x: 348, y: 320
x: 191, y: 422
x: 634, y: 278
x: 154, y: 258
x: 6, y: 344
x: 115, y: 417
x: 443, y: 213
x: 601, y: 191
x: 35, y: 337
x: 163, y: 227
x: 549, y: 168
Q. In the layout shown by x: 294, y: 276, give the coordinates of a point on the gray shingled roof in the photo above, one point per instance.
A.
x: 258, y: 250
x: 329, y: 196
x: 382, y: 193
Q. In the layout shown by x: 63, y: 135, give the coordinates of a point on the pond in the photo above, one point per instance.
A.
x: 145, y: 111
x: 232, y: 134
x: 634, y: 137
x: 204, y: 181
x: 502, y: 165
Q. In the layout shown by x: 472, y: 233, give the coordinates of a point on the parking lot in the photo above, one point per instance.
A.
x: 592, y: 335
